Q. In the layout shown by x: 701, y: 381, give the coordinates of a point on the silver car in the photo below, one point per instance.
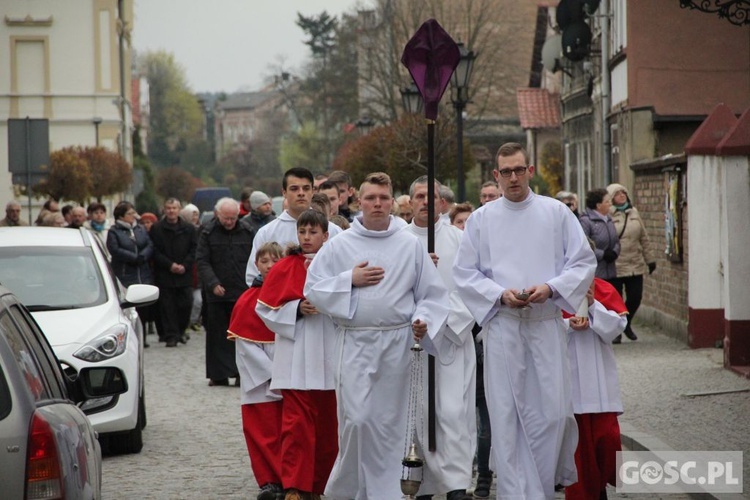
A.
x: 48, y: 447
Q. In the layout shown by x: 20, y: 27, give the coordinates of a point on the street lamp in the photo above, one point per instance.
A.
x: 365, y: 125
x: 411, y: 99
x: 97, y: 121
x: 460, y: 84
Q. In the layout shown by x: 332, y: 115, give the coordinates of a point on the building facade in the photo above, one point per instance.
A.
x: 69, y: 63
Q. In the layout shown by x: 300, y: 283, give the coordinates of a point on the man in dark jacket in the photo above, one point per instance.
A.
x: 174, y: 257
x: 224, y: 246
x: 261, y: 212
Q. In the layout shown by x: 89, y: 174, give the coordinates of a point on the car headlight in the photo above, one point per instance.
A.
x: 106, y: 346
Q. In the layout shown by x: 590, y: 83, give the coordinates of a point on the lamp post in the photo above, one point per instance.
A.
x: 97, y: 121
x: 460, y: 94
x: 365, y: 125
x: 411, y: 99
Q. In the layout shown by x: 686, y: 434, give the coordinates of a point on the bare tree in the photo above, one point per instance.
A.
x: 499, y: 31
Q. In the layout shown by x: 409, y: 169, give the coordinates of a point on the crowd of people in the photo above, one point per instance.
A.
x: 313, y: 313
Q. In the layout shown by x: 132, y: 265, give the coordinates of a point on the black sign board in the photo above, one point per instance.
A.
x: 28, y: 149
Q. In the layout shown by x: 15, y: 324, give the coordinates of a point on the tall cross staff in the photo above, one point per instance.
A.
x: 431, y: 57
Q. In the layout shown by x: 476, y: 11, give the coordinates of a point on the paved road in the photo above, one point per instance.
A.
x: 194, y: 447
x: 193, y: 444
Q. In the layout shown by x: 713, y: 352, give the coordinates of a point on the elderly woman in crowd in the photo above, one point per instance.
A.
x: 459, y: 213
x: 598, y: 226
x: 635, y: 252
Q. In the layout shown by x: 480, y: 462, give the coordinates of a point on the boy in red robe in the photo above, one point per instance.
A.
x: 303, y: 365
x: 261, y: 407
x: 596, y: 391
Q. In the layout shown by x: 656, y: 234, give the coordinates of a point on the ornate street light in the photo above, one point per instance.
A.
x: 411, y: 99
x: 460, y: 84
x: 365, y: 125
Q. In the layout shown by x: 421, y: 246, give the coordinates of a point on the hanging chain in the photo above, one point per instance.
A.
x: 415, y: 413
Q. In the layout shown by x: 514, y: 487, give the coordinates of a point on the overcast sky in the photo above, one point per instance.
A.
x: 228, y: 45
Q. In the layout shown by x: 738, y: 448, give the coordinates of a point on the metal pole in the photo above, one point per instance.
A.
x: 606, y: 95
x: 97, y: 122
x: 28, y: 164
x: 459, y: 104
x: 124, y: 125
x: 431, y: 434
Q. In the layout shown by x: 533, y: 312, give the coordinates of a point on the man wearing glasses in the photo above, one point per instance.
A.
x: 521, y: 260
x: 12, y: 215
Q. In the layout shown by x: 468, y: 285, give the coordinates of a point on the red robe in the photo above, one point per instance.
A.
x: 288, y: 277
x: 245, y: 322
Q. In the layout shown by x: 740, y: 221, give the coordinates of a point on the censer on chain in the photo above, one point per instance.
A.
x: 414, y: 421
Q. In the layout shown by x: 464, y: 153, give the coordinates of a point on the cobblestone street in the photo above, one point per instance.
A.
x: 193, y: 444
x: 194, y: 448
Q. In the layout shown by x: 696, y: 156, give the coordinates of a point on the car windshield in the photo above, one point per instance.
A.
x: 52, y: 278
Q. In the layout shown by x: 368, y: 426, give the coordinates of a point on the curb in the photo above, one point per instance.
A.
x: 635, y: 440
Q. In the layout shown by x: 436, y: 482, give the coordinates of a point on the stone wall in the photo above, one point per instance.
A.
x: 665, y: 294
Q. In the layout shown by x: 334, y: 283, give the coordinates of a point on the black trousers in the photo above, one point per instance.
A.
x: 220, y: 352
x: 632, y: 294
x: 175, y: 305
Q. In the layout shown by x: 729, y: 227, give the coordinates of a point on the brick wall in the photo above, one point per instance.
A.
x: 665, y: 294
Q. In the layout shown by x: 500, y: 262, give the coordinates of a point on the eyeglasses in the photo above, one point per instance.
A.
x: 507, y: 172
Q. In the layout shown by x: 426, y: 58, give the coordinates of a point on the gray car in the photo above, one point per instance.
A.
x: 48, y: 447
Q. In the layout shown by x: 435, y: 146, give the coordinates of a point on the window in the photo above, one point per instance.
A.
x: 619, y: 38
x: 24, y: 356
x: 52, y: 277
x: 43, y: 354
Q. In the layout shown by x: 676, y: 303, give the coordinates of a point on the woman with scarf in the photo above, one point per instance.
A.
x: 635, y: 257
x: 98, y: 224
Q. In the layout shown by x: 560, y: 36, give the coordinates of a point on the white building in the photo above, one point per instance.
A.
x: 64, y: 63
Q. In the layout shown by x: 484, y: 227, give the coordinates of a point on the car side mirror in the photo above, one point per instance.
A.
x: 140, y: 295
x: 101, y: 382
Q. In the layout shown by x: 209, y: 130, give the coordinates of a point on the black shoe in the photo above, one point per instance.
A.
x: 171, y: 343
x: 618, y: 340
x: 213, y: 383
x: 484, y: 484
x: 269, y: 491
x: 457, y: 495
x: 424, y: 497
x: 183, y: 339
x: 629, y: 333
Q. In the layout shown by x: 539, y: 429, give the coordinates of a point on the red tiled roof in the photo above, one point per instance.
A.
x: 537, y: 108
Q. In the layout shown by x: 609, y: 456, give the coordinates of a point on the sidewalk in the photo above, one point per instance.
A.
x: 677, y: 398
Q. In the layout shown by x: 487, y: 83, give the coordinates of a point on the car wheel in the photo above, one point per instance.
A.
x: 131, y: 441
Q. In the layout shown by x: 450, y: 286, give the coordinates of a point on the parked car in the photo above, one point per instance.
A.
x: 62, y: 276
x: 205, y: 198
x: 48, y: 447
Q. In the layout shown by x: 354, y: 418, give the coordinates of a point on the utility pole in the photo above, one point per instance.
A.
x: 606, y: 95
